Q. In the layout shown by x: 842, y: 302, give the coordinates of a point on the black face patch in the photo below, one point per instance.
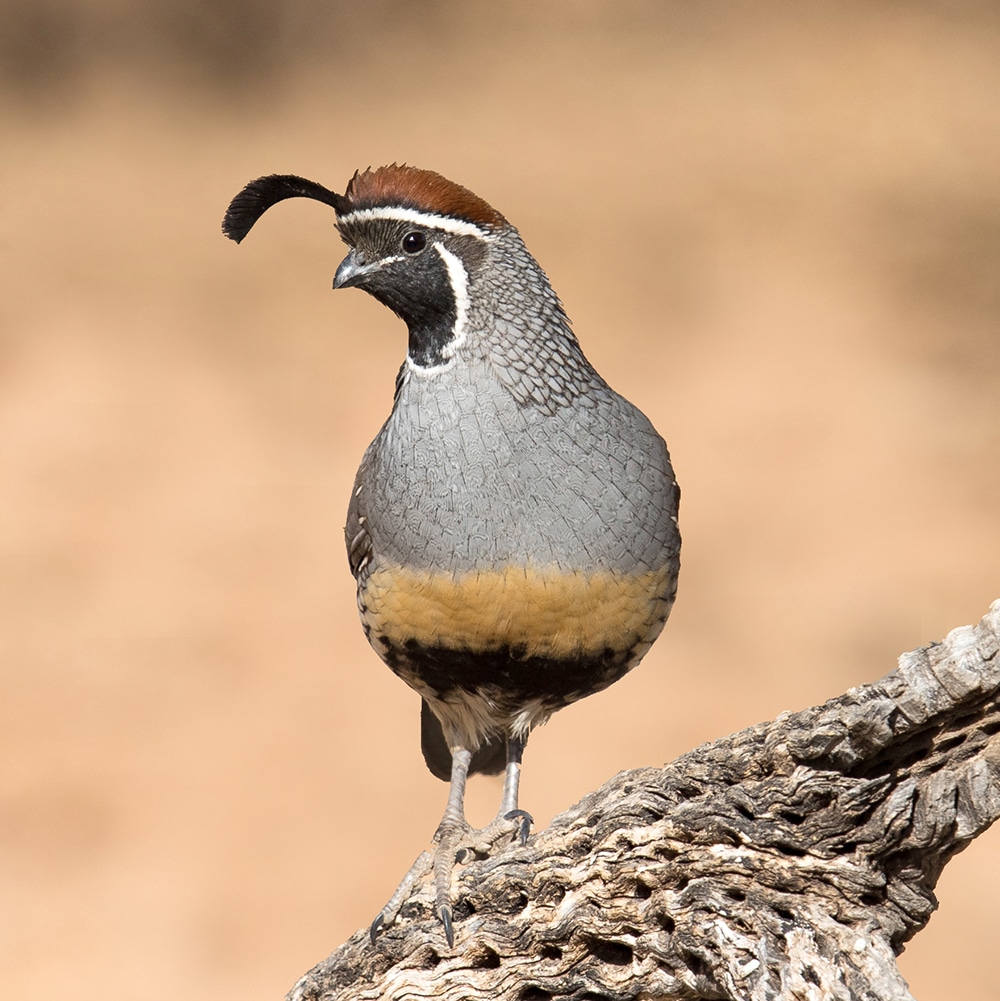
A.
x: 416, y: 286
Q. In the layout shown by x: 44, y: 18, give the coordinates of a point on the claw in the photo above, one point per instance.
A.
x: 376, y: 927
x: 524, y: 827
x: 444, y: 913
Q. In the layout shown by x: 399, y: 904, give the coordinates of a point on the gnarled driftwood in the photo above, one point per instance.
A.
x: 791, y: 860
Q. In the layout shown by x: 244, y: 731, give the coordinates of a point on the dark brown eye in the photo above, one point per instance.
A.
x: 414, y: 242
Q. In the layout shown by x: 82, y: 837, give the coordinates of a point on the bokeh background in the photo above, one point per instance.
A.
x: 777, y: 229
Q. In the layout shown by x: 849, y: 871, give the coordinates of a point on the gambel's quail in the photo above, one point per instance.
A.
x: 513, y: 526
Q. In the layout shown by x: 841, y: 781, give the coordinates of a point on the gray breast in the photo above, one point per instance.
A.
x: 462, y: 476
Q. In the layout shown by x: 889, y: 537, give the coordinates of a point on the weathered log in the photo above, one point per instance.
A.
x: 791, y: 860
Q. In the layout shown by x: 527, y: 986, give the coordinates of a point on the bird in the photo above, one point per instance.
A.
x: 512, y: 528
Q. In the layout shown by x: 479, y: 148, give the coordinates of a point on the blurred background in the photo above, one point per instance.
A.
x: 777, y: 229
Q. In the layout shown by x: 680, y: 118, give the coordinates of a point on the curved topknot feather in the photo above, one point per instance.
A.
x: 258, y: 196
x: 423, y: 190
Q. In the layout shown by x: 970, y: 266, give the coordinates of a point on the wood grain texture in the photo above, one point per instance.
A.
x: 791, y: 860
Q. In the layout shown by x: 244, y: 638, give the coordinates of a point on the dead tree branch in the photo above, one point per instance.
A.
x: 791, y: 860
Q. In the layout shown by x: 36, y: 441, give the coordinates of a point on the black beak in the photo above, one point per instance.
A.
x: 352, y: 270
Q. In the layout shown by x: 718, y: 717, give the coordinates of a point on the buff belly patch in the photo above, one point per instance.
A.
x: 536, y: 612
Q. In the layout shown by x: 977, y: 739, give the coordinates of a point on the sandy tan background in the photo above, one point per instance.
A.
x: 777, y: 229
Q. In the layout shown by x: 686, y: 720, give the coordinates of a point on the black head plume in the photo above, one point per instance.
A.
x: 258, y: 196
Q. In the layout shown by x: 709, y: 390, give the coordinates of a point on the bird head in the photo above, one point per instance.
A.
x: 416, y: 240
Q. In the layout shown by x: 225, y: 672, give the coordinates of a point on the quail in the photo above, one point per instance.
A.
x: 513, y: 526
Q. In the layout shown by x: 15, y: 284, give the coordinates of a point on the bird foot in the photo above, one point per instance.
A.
x: 515, y: 825
x: 448, y: 838
x: 455, y: 844
x: 388, y: 914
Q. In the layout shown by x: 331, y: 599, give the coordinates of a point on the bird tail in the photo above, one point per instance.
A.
x: 489, y: 759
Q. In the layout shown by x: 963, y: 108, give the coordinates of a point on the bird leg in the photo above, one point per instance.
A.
x: 509, y: 811
x: 453, y: 830
x: 511, y: 782
x: 450, y: 831
x: 512, y: 777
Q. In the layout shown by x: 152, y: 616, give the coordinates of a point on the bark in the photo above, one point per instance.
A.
x: 791, y: 860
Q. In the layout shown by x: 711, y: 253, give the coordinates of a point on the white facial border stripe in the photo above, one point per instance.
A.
x: 459, y: 280
x: 458, y: 227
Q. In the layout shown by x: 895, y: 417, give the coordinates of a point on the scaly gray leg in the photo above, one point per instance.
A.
x: 508, y: 801
x: 450, y: 831
x: 511, y: 782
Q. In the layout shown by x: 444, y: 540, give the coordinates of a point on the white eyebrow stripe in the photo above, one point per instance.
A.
x: 458, y: 227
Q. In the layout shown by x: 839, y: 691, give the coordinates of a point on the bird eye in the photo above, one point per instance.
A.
x: 414, y: 242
